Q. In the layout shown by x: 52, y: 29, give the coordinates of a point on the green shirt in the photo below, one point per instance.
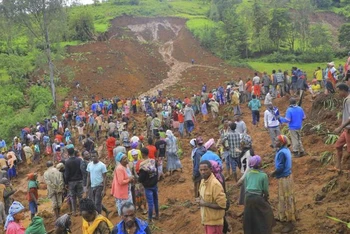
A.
x: 257, y: 182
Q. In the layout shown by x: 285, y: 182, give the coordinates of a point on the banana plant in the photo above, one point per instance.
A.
x: 339, y: 221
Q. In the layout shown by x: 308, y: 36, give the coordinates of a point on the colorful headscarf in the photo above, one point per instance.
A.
x: 31, y: 176
x: 246, y: 140
x: 134, y: 145
x: 283, y: 139
x: 254, y: 161
x: 64, y: 222
x: 15, y: 208
x: 170, y: 135
x: 119, y: 157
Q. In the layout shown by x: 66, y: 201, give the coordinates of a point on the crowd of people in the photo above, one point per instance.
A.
x: 133, y: 158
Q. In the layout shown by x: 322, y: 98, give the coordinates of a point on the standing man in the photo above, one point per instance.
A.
x: 55, y: 185
x: 96, y: 180
x: 214, y: 107
x: 266, y: 82
x: 280, y: 82
x: 189, y: 118
x: 254, y: 105
x: 344, y: 138
x: 199, y: 151
x: 118, y: 148
x: 148, y: 177
x: 129, y: 222
x: 256, y: 83
x: 110, y: 143
x: 241, y: 91
x: 294, y: 117
x: 232, y: 142
x: 212, y: 200
x: 271, y: 123
x: 74, y: 179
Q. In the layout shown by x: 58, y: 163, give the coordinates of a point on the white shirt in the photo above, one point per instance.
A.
x: 270, y: 120
x: 256, y: 80
x: 268, y: 99
x: 241, y: 85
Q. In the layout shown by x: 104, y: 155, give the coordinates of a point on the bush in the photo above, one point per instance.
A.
x: 39, y: 96
x: 82, y: 26
x: 310, y: 56
x: 278, y: 57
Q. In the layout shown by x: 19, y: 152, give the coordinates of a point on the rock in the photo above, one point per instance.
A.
x: 182, y: 180
x: 320, y: 197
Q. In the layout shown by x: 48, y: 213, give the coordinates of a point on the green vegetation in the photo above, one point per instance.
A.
x: 309, y: 68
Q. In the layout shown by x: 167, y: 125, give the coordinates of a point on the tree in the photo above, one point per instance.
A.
x: 319, y: 36
x: 278, y: 26
x: 82, y: 26
x: 260, y: 20
x: 300, y: 17
x: 344, y: 35
x: 40, y: 18
x: 236, y: 39
x: 322, y: 3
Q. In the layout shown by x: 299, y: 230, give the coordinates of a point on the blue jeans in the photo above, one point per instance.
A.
x: 33, y: 207
x: 255, y: 116
x: 231, y: 163
x: 152, y: 200
x: 181, y: 129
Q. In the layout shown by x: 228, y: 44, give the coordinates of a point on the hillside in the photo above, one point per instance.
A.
x: 142, y: 55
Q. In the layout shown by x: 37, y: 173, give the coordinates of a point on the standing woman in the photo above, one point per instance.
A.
x: 173, y: 161
x: 258, y: 215
x: 246, y: 153
x: 122, y: 179
x: 283, y: 173
x: 13, y: 223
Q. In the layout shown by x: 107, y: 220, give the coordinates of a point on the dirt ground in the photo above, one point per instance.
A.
x: 143, y: 55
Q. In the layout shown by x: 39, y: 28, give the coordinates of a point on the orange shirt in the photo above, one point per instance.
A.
x: 249, y: 85
x: 181, y: 117
x: 152, y: 150
x: 59, y: 137
x: 110, y: 143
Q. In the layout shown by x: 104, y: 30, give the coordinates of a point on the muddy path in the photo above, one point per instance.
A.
x: 166, y: 49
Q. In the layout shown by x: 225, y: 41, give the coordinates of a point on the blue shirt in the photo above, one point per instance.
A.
x: 283, y: 162
x: 294, y: 117
x: 254, y: 104
x: 210, y: 155
x: 96, y: 173
x: 2, y: 144
x: 204, y: 109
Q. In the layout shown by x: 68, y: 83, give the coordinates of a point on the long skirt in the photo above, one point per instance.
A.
x: 173, y: 162
x: 140, y: 198
x: 12, y: 172
x: 242, y: 194
x: 286, y: 200
x: 121, y: 202
x: 258, y: 215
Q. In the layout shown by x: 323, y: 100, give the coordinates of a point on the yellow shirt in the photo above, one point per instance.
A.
x: 139, y: 156
x: 318, y: 75
x: 316, y: 87
x: 211, y: 191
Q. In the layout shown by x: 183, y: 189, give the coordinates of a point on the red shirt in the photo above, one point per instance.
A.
x: 110, y: 143
x: 152, y: 150
x: 181, y: 117
x: 248, y: 86
x: 59, y: 137
x: 210, y: 95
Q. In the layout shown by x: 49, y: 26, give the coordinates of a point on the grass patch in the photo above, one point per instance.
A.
x: 4, y: 76
x: 309, y: 68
